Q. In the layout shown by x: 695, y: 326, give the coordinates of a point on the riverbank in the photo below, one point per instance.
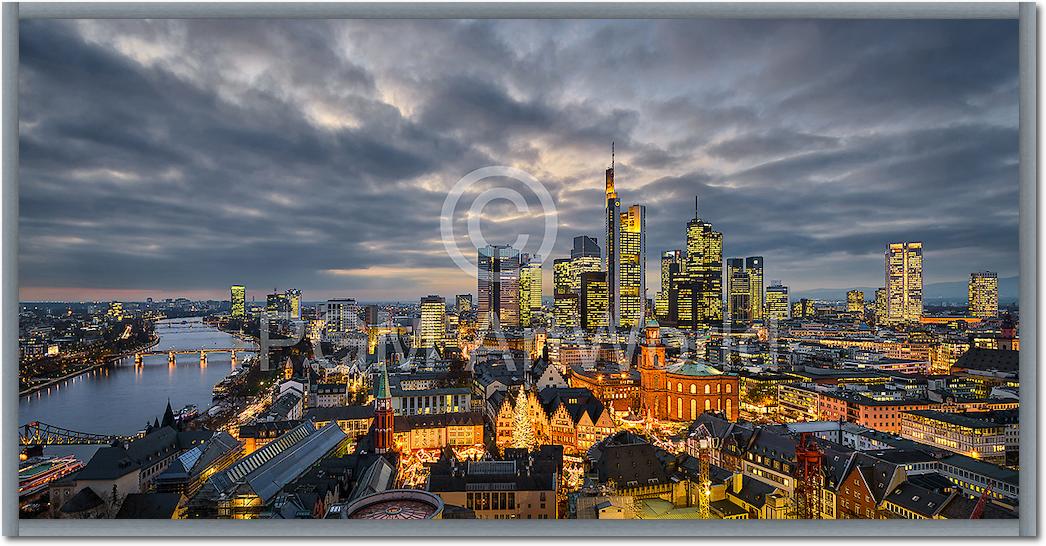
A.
x: 154, y: 340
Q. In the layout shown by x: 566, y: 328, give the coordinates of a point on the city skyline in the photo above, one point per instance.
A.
x: 831, y: 146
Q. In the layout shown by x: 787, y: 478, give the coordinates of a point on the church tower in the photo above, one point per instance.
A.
x: 383, y: 415
x: 652, y: 373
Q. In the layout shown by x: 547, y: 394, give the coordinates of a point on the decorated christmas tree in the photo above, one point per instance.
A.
x: 523, y: 432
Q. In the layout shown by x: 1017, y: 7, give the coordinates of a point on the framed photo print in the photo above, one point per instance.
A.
x: 519, y: 269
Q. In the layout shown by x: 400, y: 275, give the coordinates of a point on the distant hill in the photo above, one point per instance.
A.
x: 950, y: 291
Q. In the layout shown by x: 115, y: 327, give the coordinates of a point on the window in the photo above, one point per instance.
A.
x: 693, y: 389
x: 679, y: 387
x: 708, y: 390
x: 708, y: 404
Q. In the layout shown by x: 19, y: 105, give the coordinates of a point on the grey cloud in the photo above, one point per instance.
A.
x: 190, y: 155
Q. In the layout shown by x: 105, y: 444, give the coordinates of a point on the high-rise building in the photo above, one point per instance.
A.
x: 613, y: 242
x: 433, y: 325
x: 584, y: 246
x: 594, y: 300
x: 631, y: 289
x: 744, y: 289
x: 625, y: 261
x: 671, y: 260
x: 984, y: 294
x: 904, y: 282
x: 277, y: 306
x: 880, y: 306
x: 343, y: 315
x: 530, y: 287
x: 582, y: 264
x: 777, y: 306
x: 238, y: 301
x: 754, y: 270
x: 498, y: 287
x: 565, y: 308
x: 294, y: 303
x: 566, y: 278
x: 738, y: 303
x: 804, y: 308
x: 698, y: 297
x: 463, y: 303
x: 855, y: 302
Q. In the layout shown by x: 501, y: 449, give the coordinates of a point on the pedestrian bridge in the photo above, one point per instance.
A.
x: 43, y: 434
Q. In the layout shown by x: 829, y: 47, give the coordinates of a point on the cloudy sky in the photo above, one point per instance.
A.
x: 174, y: 158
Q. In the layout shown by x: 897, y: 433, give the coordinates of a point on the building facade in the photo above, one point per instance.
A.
x: 237, y: 301
x: 530, y: 287
x: 432, y: 329
x: 904, y: 282
x: 343, y: 315
x: 777, y: 305
x: 498, y: 287
x: 983, y: 294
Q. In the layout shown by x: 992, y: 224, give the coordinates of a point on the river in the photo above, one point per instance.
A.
x: 122, y: 398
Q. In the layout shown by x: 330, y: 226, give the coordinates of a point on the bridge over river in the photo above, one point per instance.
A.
x: 120, y: 400
x: 172, y: 355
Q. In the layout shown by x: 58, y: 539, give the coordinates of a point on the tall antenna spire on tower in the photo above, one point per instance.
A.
x: 611, y: 154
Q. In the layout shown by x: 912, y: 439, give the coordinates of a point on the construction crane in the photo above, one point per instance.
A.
x: 704, y: 454
x: 978, y: 510
x: 808, y: 477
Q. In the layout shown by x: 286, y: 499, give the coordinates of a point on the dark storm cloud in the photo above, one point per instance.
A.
x: 184, y: 156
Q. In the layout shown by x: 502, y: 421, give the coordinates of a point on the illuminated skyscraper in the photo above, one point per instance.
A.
x: 433, y: 325
x: 744, y: 289
x: 498, y: 287
x: 566, y: 273
x: 463, y: 303
x: 984, y: 294
x: 880, y: 306
x: 625, y: 262
x: 583, y: 264
x: 277, y: 306
x: 777, y: 305
x: 613, y: 242
x: 238, y: 300
x: 671, y: 260
x: 565, y: 308
x: 343, y: 315
x: 595, y: 302
x: 699, y: 290
x: 904, y: 282
x: 739, y: 295
x: 294, y: 303
x: 530, y: 287
x: 855, y: 302
x: 631, y: 289
x: 754, y: 270
x: 803, y: 308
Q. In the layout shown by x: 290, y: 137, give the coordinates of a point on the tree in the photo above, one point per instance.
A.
x: 523, y: 430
